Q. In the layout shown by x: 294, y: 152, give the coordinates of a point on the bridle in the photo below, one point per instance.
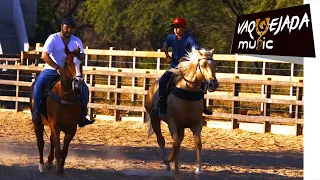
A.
x: 198, y: 67
x: 70, y: 81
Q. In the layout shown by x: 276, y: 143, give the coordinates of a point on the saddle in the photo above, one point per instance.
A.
x: 48, y: 92
x: 183, y: 94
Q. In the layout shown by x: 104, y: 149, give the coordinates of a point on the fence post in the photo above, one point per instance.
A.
x: 86, y: 65
x: 265, y: 68
x: 293, y: 91
x: 158, y: 61
x: 146, y: 85
x: 91, y: 93
x: 266, y: 110
x: 298, y: 113
x: 117, y: 97
x: 235, y: 104
x: 134, y: 79
x: 110, y: 95
x: 17, y: 90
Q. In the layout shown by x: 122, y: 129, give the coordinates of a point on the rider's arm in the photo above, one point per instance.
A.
x: 45, y: 56
x: 81, y: 55
x: 193, y: 42
x: 167, y: 44
x: 48, y: 49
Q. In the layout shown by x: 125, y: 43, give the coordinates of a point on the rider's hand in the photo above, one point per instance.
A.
x: 182, y: 59
x: 76, y: 52
x: 169, y: 59
x: 59, y: 70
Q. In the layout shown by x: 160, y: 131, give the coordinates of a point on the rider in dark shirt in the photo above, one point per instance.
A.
x: 181, y: 42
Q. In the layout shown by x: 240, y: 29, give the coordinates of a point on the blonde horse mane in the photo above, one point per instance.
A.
x: 190, y: 58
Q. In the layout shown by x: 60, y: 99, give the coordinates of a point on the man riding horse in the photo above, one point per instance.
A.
x: 181, y: 43
x: 54, y: 55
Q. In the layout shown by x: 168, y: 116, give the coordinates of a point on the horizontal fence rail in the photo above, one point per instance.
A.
x: 113, y: 84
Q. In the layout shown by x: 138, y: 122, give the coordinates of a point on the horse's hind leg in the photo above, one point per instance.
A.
x: 38, y: 129
x: 67, y: 139
x: 49, y: 163
x: 196, y: 130
x: 175, y: 134
x: 161, y: 142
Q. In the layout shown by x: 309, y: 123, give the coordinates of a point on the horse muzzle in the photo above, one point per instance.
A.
x: 77, y: 83
x: 213, y: 85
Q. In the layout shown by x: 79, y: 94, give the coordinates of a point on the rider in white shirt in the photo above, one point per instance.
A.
x: 54, y: 55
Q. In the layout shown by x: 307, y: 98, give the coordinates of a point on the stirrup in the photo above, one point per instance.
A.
x: 36, y: 118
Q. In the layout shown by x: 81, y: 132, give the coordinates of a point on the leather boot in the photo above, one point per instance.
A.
x: 205, y: 108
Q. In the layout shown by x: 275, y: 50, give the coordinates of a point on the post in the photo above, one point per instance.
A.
x: 134, y: 79
x: 86, y: 65
x: 146, y: 85
x: 265, y: 71
x: 158, y: 61
x: 118, y: 97
x: 91, y: 93
x: 298, y: 113
x: 109, y: 95
x: 266, y: 110
x: 17, y: 91
x: 235, y: 104
x: 293, y: 91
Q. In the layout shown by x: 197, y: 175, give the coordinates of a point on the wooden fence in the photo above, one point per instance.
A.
x: 266, y: 98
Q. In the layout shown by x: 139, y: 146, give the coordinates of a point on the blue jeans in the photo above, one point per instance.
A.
x: 40, y: 85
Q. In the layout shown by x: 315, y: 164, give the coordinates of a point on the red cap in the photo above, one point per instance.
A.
x: 179, y: 22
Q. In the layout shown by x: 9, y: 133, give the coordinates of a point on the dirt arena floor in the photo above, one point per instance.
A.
x: 120, y: 150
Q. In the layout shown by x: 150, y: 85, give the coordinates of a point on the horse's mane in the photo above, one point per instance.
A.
x: 190, y: 58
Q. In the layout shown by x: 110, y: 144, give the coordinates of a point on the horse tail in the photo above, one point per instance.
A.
x: 147, y: 120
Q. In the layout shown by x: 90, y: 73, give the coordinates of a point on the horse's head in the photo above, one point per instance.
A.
x: 72, y: 70
x: 206, y: 69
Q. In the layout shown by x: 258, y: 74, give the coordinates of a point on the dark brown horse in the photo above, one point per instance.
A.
x: 63, y: 112
x: 185, y: 104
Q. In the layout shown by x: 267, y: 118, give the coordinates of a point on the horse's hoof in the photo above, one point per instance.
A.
x: 60, y: 172
x: 49, y: 165
x: 167, y: 167
x: 198, y: 171
x: 41, y: 168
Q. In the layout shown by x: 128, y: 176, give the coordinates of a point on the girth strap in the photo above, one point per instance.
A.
x: 187, y: 95
x: 58, y: 99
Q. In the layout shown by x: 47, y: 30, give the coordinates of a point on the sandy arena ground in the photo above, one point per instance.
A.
x: 120, y: 150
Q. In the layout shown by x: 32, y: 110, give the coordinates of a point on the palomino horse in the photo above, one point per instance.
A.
x: 62, y: 111
x: 185, y: 104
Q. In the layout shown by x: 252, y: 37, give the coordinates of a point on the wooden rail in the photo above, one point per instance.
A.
x: 115, y: 91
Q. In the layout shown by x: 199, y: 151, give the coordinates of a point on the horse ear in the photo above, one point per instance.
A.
x: 77, y: 50
x: 212, y: 51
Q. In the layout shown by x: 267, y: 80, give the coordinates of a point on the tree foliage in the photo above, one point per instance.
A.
x: 144, y: 24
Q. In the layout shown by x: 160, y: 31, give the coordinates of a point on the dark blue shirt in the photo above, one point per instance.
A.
x: 180, y: 47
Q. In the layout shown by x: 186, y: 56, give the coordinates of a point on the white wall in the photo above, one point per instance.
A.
x: 19, y: 24
x: 312, y: 98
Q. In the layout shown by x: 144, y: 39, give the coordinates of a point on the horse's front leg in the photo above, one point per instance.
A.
x: 67, y: 139
x: 55, y: 133
x: 156, y: 126
x: 49, y: 163
x: 38, y: 129
x: 196, y: 130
